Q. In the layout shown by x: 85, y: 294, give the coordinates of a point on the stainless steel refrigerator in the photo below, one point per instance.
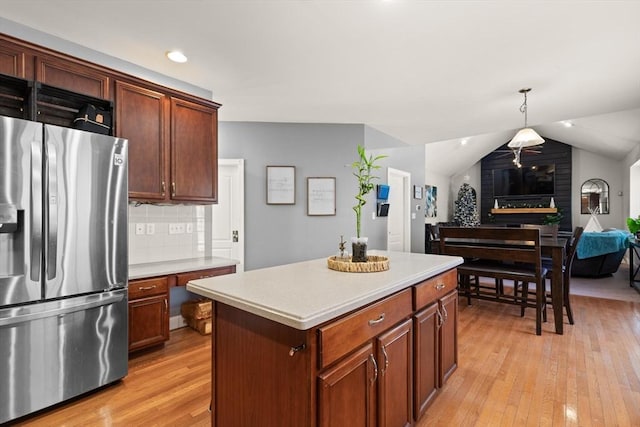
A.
x: 63, y: 264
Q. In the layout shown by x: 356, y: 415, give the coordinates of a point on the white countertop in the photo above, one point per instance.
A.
x: 152, y: 269
x: 306, y: 294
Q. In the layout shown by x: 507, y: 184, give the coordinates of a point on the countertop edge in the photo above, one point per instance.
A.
x: 153, y: 269
x: 315, y: 319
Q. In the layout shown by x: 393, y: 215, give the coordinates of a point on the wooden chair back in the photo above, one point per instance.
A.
x: 492, y: 243
x: 571, y: 252
x: 546, y: 230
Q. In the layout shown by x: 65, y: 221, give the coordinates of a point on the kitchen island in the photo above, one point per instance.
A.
x: 303, y: 345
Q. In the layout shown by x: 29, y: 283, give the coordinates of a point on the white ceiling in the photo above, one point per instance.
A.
x: 421, y: 71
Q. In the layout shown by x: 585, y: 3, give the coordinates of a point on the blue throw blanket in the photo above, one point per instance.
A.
x: 600, y: 243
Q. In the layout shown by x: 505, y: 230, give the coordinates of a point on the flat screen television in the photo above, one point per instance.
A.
x: 525, y: 181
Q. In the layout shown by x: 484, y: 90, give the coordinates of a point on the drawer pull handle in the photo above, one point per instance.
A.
x: 294, y: 350
x: 375, y: 369
x: 386, y: 359
x: 376, y: 321
x: 440, y: 286
x: 440, y: 318
x: 146, y: 288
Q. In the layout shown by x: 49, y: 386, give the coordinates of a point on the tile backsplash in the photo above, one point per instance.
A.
x: 165, y: 233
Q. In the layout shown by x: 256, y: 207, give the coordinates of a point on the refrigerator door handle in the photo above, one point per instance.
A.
x: 13, y: 316
x: 52, y: 208
x: 36, y: 210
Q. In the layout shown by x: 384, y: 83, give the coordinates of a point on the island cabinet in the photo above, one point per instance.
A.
x: 173, y: 144
x: 382, y: 380
x: 362, y: 368
x: 435, y: 337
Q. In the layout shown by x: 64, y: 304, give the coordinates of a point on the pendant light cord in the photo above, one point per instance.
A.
x: 523, y: 107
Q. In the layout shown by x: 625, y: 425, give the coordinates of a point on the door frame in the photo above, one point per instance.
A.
x: 406, y: 207
x: 239, y: 208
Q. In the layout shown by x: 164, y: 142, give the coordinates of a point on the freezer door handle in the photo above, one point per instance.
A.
x: 13, y: 316
x: 52, y: 200
x: 36, y: 210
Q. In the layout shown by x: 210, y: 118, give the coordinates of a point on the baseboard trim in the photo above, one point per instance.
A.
x: 177, y: 322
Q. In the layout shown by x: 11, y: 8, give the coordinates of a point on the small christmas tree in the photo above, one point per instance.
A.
x: 466, y: 209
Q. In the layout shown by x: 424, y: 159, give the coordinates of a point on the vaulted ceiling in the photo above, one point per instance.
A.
x: 425, y: 72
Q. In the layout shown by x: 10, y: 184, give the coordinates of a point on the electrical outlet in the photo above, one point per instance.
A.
x: 151, y: 228
x: 139, y: 229
x: 373, y: 215
x: 189, y: 227
x: 176, y: 228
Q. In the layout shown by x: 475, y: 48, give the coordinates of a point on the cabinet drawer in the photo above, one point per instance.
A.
x: 426, y: 292
x: 147, y: 287
x: 340, y: 337
x: 183, y: 278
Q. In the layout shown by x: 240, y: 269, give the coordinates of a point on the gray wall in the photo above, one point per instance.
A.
x: 279, y: 234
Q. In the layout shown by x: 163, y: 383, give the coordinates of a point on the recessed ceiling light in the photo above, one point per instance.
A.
x: 567, y: 124
x: 176, y: 56
x: 464, y: 141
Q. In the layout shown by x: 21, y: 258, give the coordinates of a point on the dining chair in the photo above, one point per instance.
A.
x: 485, y: 250
x: 572, y: 245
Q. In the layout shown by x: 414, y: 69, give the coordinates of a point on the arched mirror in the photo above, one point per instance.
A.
x: 594, y: 196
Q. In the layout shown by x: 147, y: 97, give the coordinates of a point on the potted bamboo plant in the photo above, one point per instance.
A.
x: 364, y: 168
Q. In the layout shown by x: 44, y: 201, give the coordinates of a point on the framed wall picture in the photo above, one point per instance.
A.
x: 321, y: 196
x: 431, y: 202
x: 281, y: 185
x: 417, y: 192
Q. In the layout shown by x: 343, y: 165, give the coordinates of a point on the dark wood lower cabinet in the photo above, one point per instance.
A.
x: 346, y: 393
x: 148, y: 322
x: 426, y: 372
x: 148, y: 312
x: 149, y: 305
x: 395, y: 375
x: 436, y: 349
x: 448, y: 334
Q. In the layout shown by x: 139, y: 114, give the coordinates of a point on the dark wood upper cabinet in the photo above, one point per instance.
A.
x: 194, y: 151
x: 173, y: 136
x: 73, y: 76
x: 12, y: 59
x: 142, y: 118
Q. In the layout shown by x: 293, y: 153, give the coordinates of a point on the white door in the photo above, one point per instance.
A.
x: 398, y: 221
x: 227, y: 217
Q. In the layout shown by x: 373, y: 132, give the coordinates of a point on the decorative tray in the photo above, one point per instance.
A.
x: 374, y: 264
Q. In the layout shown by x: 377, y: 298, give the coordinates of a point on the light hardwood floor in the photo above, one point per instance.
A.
x: 508, y: 376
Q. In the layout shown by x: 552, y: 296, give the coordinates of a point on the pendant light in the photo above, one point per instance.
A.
x: 526, y: 137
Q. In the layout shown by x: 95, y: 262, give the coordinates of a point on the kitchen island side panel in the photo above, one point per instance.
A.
x: 256, y: 378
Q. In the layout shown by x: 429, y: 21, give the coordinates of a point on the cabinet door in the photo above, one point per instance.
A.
x: 395, y: 357
x: 426, y: 367
x: 448, y: 336
x: 148, y: 321
x: 142, y: 118
x: 194, y: 151
x: 346, y: 395
x: 71, y: 75
x: 12, y: 59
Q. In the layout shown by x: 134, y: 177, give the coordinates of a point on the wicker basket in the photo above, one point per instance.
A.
x: 374, y: 264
